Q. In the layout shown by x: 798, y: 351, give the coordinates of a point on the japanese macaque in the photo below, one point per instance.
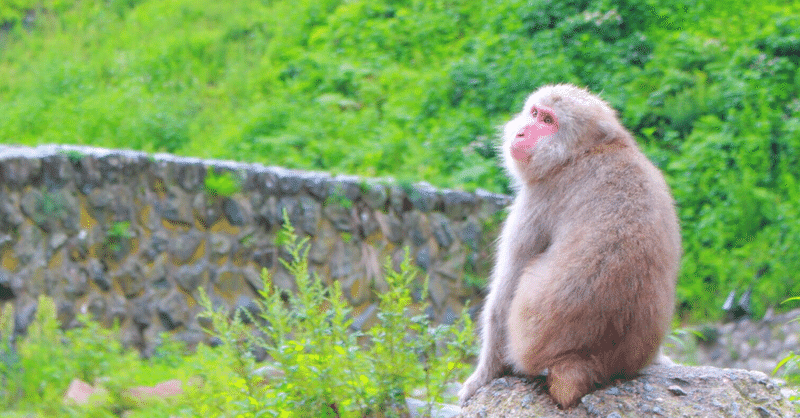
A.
x: 584, y: 284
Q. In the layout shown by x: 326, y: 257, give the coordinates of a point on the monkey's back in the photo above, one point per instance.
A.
x: 603, y: 289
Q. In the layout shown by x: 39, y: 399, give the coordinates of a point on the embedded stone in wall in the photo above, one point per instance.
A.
x: 86, y: 173
x: 235, y: 212
x: 229, y: 281
x: 184, y: 246
x: 458, y: 204
x: 51, y: 211
x: 253, y: 278
x: 376, y: 196
x: 398, y: 200
x: 190, y: 277
x: 338, y: 215
x: 130, y: 279
x: 343, y: 260
x: 176, y: 207
x: 317, y: 185
x: 97, y: 272
x: 75, y: 282
x: 471, y: 233
x: 206, y: 210
x: 289, y: 182
x: 172, y: 311
x: 20, y: 170
x: 391, y: 227
x: 368, y: 223
x: 423, y: 197
x: 441, y: 230
x: 55, y: 173
x: 10, y: 214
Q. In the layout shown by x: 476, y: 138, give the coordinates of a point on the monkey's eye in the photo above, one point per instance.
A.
x: 534, y: 112
x: 548, y: 119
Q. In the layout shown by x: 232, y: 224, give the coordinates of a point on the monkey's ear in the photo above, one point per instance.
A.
x: 608, y: 131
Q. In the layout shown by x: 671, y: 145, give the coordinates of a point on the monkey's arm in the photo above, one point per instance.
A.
x: 505, y: 277
x: 491, y: 360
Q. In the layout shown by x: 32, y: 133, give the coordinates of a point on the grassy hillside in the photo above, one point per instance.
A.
x: 416, y: 90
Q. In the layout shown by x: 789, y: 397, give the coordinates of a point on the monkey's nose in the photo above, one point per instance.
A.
x: 521, y: 133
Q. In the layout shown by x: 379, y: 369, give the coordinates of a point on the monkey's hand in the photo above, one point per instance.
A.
x: 478, y: 379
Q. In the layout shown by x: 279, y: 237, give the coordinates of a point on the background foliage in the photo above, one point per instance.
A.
x: 416, y: 89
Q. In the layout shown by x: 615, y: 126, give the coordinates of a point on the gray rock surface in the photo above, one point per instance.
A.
x: 661, y: 391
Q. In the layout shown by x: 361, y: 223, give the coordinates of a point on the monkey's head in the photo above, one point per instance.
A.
x: 557, y: 124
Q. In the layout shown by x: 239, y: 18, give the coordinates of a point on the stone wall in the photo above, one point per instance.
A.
x: 131, y: 237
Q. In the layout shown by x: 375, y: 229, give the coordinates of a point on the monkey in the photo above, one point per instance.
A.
x: 583, y: 285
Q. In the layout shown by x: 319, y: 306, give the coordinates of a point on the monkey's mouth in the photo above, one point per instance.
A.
x: 525, y: 141
x: 521, y: 152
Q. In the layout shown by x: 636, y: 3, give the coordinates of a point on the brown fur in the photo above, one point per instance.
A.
x: 587, y: 260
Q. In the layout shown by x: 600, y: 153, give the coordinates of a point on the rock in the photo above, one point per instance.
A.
x: 442, y: 230
x: 423, y: 197
x: 376, y: 196
x: 663, y: 390
x: 458, y: 204
x: 82, y: 393
x: 338, y: 215
x: 176, y: 207
x: 289, y: 182
x: 398, y: 199
x: 6, y: 288
x: 317, y: 185
x: 229, y: 281
x: 235, y: 212
x: 184, y: 246
x: 471, y: 234
x: 162, y: 390
x: 97, y: 271
x: 17, y: 172
x: 745, y: 344
x: 130, y: 279
x: 190, y: 277
x: 391, y: 227
x: 172, y: 311
x: 206, y: 210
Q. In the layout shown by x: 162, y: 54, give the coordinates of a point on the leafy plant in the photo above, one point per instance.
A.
x: 117, y: 236
x: 790, y: 363
x: 221, y: 185
x: 74, y: 156
x: 321, y: 367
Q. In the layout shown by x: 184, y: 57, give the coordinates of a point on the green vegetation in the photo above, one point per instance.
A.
x: 221, y: 185
x: 117, y: 236
x: 791, y: 363
x: 416, y: 89
x: 316, y: 364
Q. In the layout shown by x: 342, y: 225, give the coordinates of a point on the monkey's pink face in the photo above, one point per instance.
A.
x: 544, y: 123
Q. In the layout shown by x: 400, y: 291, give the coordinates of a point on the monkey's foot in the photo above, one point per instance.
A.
x: 471, y: 385
x: 568, y: 382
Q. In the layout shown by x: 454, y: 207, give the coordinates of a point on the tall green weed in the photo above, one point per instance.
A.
x: 318, y: 365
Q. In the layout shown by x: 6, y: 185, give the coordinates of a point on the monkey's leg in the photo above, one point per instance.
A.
x: 571, y: 377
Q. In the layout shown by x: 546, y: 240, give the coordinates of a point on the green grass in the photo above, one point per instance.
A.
x: 417, y: 89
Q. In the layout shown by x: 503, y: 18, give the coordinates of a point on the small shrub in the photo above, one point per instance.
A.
x: 221, y: 185
x: 116, y: 236
x: 321, y: 367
